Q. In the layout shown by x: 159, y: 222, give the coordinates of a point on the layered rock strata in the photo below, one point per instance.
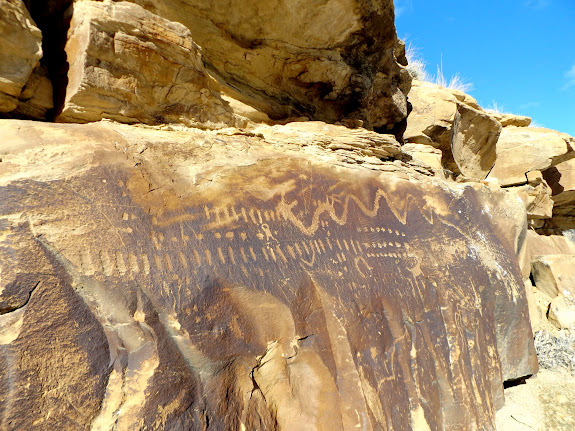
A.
x: 521, y: 150
x: 20, y: 51
x: 561, y: 179
x: 132, y: 66
x: 340, y: 62
x: 177, y: 280
x: 535, y: 164
x: 327, y: 61
x: 511, y: 119
x: 454, y: 123
x: 474, y: 136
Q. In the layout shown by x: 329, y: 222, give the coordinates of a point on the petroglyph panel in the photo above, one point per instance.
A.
x: 286, y: 293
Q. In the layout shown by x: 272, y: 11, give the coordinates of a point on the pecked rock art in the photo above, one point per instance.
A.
x: 240, y: 285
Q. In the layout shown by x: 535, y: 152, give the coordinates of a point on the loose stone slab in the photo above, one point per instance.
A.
x: 20, y: 51
x: 132, y: 66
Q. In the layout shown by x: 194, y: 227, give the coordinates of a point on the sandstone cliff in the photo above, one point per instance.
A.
x: 237, y: 280
x: 198, y: 254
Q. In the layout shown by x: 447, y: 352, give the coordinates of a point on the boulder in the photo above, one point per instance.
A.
x: 521, y: 150
x: 129, y: 65
x: 465, y: 98
x: 432, y: 116
x: 425, y: 155
x: 474, y: 136
x: 562, y: 312
x: 20, y: 51
x: 561, y: 179
x: 291, y: 59
x: 333, y: 137
x: 508, y: 215
x: 543, y: 402
x: 554, y: 274
x: 542, y: 245
x: 557, y: 225
x: 454, y: 123
x: 538, y: 303
x: 36, y: 98
x: 536, y: 195
x: 223, y: 278
x: 511, y: 119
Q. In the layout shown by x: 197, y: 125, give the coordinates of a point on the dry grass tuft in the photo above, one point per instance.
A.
x: 417, y: 68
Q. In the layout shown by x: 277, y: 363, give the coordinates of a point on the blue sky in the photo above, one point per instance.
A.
x: 518, y: 54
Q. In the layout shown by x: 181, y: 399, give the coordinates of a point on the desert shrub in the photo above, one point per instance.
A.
x: 416, y: 64
x: 494, y: 108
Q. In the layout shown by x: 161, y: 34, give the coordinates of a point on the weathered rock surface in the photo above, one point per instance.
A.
x: 454, y: 123
x: 542, y: 245
x: 536, y: 195
x: 132, y: 66
x: 465, y: 98
x: 326, y: 62
x: 554, y: 274
x: 562, y: 312
x: 432, y: 117
x: 537, y: 315
x: 20, y: 51
x: 217, y: 277
x: 508, y: 213
x: 549, y: 261
x: 545, y: 402
x: 474, y: 137
x: 425, y: 155
x: 511, y: 119
x: 561, y: 179
x: 521, y: 150
x: 335, y: 138
x: 36, y: 98
x: 510, y: 226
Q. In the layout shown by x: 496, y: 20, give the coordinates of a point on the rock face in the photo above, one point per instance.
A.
x: 555, y: 274
x: 544, y: 403
x: 548, y: 260
x: 536, y: 196
x: 143, y: 61
x: 521, y: 150
x: 433, y: 113
x: 36, y: 98
x: 474, y: 137
x: 425, y: 155
x: 454, y: 123
x: 511, y: 119
x: 562, y: 312
x: 132, y: 66
x: 352, y: 142
x: 180, y: 279
x: 291, y: 59
x: 541, y: 245
x: 20, y: 51
x: 561, y: 179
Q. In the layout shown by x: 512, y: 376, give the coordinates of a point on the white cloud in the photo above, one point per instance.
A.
x: 402, y: 7
x: 570, y: 76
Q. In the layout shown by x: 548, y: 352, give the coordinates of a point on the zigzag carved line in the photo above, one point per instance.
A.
x: 399, y: 211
